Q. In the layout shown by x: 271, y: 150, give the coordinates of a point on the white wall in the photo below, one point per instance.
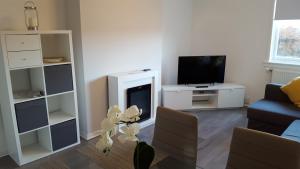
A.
x: 52, y: 16
x: 242, y: 30
x: 177, y: 30
x: 117, y: 36
x: 74, y: 23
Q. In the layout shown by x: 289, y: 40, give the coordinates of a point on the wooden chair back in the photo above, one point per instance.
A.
x: 176, y: 133
x: 252, y: 149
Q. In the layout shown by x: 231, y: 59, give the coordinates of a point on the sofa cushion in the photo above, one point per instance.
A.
x: 292, y: 89
x: 273, y: 112
x: 273, y: 92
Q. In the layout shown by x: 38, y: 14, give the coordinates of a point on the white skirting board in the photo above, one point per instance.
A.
x: 89, y: 136
x: 3, y: 150
x: 92, y: 135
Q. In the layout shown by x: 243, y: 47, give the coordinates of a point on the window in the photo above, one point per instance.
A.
x: 286, y: 42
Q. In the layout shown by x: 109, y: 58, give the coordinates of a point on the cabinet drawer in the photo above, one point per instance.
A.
x: 64, y: 134
x: 24, y: 59
x: 23, y: 42
x: 231, y: 98
x: 31, y: 115
x: 178, y: 100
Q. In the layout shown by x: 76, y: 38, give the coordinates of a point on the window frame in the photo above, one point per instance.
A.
x: 274, y: 58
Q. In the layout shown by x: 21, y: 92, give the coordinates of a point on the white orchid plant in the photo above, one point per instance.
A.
x: 109, y: 127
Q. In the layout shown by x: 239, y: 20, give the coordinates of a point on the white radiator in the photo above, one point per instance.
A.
x: 283, y: 76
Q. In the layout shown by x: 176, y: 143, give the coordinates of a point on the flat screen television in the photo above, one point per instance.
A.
x: 201, y: 69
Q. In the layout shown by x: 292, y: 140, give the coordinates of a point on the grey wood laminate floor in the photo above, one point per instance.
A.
x: 216, y: 127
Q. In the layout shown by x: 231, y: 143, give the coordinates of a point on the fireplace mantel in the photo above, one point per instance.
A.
x: 119, y: 83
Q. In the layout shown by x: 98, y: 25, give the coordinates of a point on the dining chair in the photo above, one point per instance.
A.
x: 176, y: 133
x: 252, y: 149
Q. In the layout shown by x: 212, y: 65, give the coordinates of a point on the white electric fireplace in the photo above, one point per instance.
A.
x: 139, y: 88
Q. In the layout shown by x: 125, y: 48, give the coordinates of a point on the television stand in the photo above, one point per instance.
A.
x: 218, y: 96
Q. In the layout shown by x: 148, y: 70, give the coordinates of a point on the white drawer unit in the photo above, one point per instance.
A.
x: 23, y: 42
x: 179, y: 99
x: 24, y: 59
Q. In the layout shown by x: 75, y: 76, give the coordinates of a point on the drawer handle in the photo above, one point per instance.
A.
x: 22, y: 43
x: 24, y: 59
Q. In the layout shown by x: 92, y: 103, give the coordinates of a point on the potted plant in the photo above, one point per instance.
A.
x: 128, y: 120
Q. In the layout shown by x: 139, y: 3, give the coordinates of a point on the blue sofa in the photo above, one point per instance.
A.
x: 274, y: 113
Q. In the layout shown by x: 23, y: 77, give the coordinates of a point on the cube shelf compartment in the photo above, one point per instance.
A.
x: 35, y: 145
x: 204, y: 99
x: 27, y: 84
x: 61, y: 108
x: 54, y: 46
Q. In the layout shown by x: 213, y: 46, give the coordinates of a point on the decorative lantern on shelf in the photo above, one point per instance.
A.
x: 31, y: 16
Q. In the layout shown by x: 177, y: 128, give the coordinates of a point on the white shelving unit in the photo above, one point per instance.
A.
x: 38, y: 99
x: 183, y: 97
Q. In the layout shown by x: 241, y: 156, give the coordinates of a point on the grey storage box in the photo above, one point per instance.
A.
x: 31, y: 115
x: 58, y: 79
x: 64, y: 134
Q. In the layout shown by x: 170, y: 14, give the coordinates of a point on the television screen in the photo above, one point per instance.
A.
x: 201, y: 69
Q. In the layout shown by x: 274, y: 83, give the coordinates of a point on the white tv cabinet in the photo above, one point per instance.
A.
x: 182, y: 97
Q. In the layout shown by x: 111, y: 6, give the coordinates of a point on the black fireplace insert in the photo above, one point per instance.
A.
x: 141, y: 97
